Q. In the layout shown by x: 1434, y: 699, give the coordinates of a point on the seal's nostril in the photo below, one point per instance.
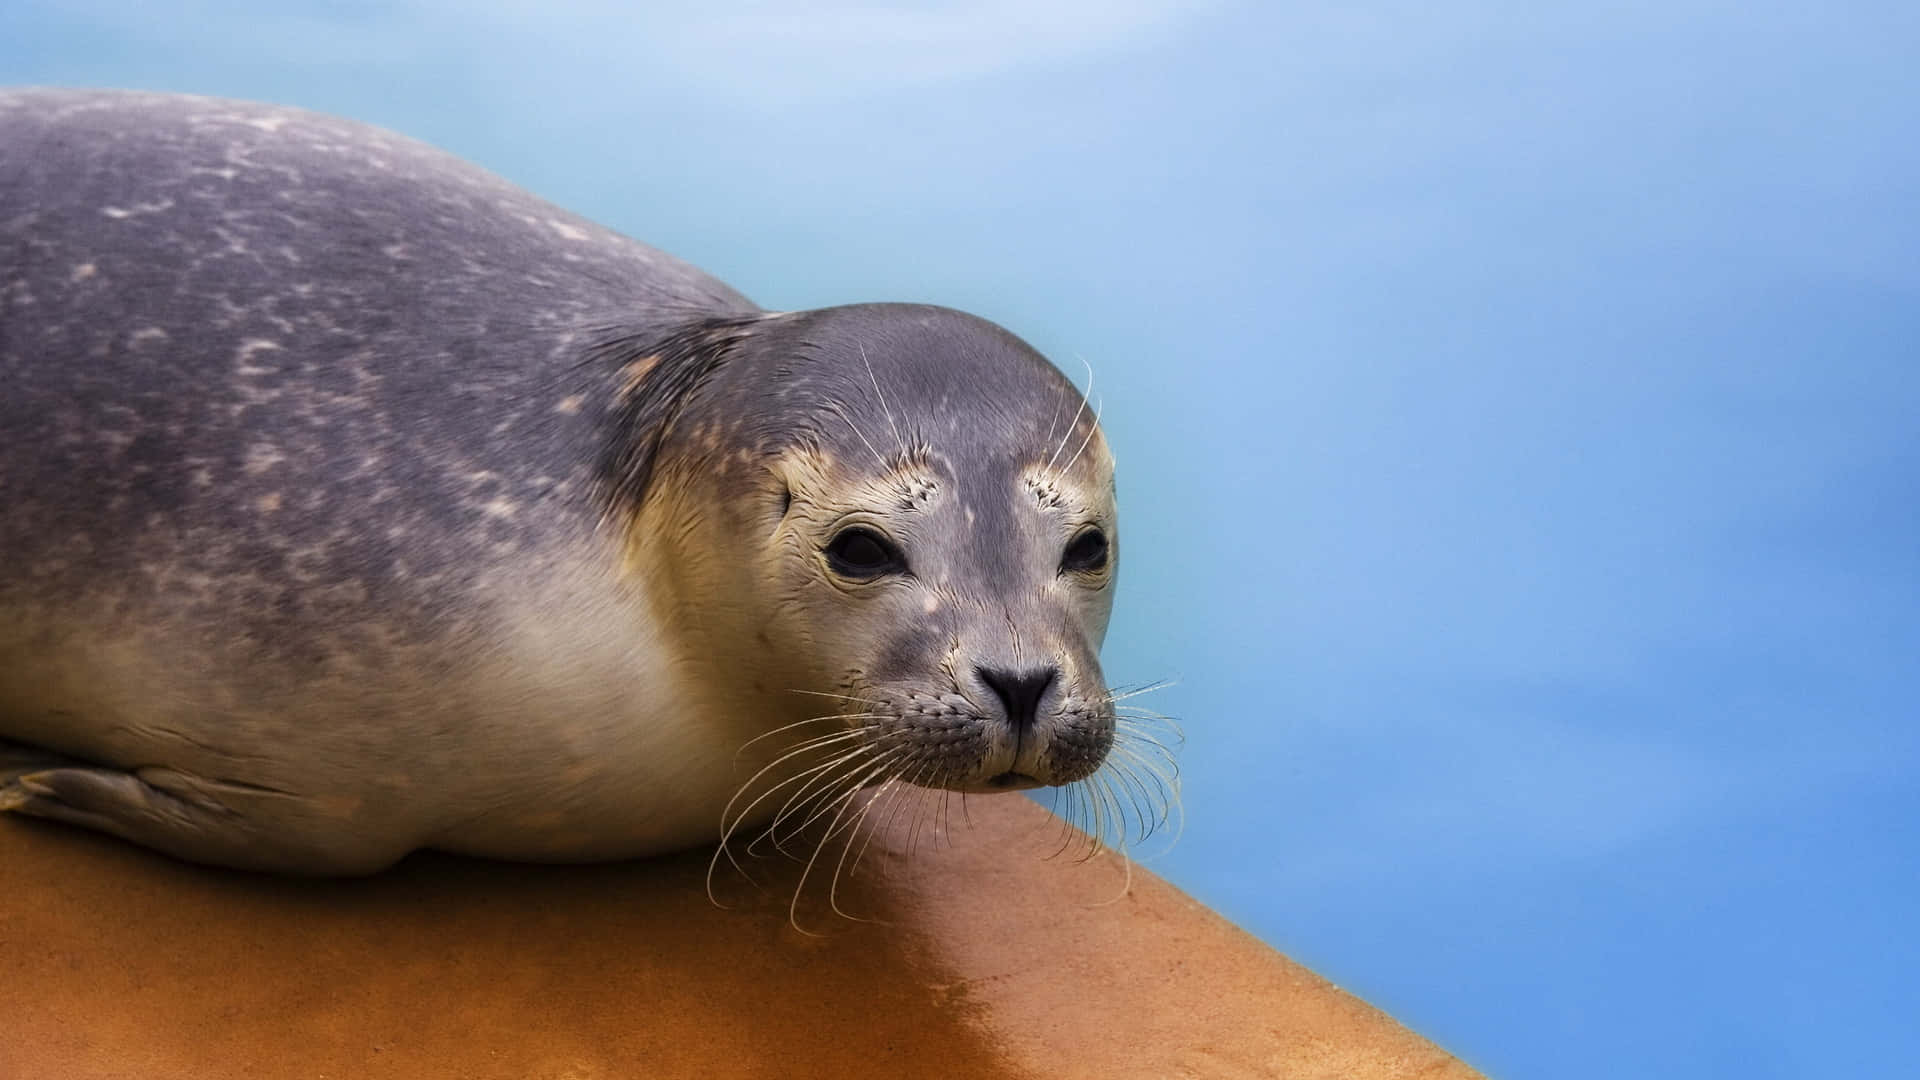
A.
x: 1019, y: 691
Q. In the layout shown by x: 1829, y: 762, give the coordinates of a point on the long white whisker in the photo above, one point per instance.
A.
x: 1092, y: 430
x: 853, y: 831
x: 1068, y: 817
x: 804, y: 748
x: 879, y: 765
x: 1165, y: 794
x: 912, y: 787
x: 890, y: 790
x: 1139, y: 747
x: 793, y: 908
x: 809, y: 796
x: 884, y: 409
x: 1125, y: 783
x: 805, y: 777
x: 1122, y: 695
x: 1076, y: 417
x: 842, y: 697
x: 727, y: 829
x: 856, y: 430
x: 815, y: 740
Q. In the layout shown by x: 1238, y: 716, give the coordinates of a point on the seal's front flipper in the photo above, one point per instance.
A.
x: 115, y: 802
x: 182, y: 815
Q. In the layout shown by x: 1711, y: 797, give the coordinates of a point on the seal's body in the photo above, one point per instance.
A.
x: 353, y: 500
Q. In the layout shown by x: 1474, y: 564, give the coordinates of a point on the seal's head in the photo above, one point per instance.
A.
x: 909, y: 510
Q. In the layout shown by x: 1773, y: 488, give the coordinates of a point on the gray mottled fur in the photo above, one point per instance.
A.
x: 211, y: 308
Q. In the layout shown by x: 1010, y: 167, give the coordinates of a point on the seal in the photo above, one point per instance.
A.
x: 354, y: 501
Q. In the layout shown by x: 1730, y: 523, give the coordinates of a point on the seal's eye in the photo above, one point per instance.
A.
x: 1087, y: 553
x: 862, y: 553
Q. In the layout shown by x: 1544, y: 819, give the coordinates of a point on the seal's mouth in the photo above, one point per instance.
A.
x: 1013, y: 781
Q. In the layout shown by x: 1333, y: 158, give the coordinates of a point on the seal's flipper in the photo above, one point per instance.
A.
x: 177, y: 813
x: 119, y: 803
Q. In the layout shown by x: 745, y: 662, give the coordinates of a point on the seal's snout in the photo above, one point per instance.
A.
x: 1020, y: 692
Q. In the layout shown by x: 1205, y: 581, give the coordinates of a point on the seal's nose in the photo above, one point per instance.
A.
x: 1019, y: 691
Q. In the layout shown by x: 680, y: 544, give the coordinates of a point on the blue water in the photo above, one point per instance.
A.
x: 1517, y: 409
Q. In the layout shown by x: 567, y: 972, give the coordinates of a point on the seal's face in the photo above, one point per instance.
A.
x: 915, y: 513
x: 961, y: 605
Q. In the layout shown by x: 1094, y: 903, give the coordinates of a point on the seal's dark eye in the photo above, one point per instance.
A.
x: 1087, y: 552
x: 863, y: 553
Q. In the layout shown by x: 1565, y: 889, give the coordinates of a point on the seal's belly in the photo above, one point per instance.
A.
x: 557, y: 738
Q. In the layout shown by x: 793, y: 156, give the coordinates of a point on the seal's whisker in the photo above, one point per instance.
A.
x: 1149, y: 754
x: 1092, y: 430
x: 825, y: 796
x: 1130, y: 730
x: 911, y: 789
x: 1095, y: 831
x: 884, y: 409
x: 888, y: 789
x: 727, y: 829
x: 1076, y: 417
x: 1144, y: 720
x: 1125, y: 826
x: 806, y: 747
x: 1168, y: 789
x: 843, y: 697
x: 1143, y: 717
x: 840, y: 825
x: 946, y: 828
x: 835, y: 406
x: 1094, y: 816
x: 1158, y: 820
x: 833, y: 889
x: 833, y: 828
x: 1088, y: 825
x: 1160, y: 733
x: 1070, y: 816
x: 730, y: 822
x: 1164, y: 792
x: 1124, y: 782
x: 805, y: 800
x: 808, y: 809
x: 924, y: 796
x: 1113, y: 819
x: 1154, y: 759
x: 822, y: 802
x: 1090, y: 814
x: 1128, y: 733
x: 1115, y: 825
x: 837, y: 734
x: 918, y: 801
x: 1122, y: 693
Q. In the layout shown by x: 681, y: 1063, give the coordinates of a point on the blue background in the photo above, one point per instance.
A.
x: 1516, y: 404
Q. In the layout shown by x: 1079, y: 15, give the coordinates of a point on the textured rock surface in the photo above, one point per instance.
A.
x: 989, y: 961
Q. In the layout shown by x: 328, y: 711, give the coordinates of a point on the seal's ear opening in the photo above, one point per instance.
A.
x: 653, y: 374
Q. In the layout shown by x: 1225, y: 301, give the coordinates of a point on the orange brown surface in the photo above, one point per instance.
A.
x: 987, y: 961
